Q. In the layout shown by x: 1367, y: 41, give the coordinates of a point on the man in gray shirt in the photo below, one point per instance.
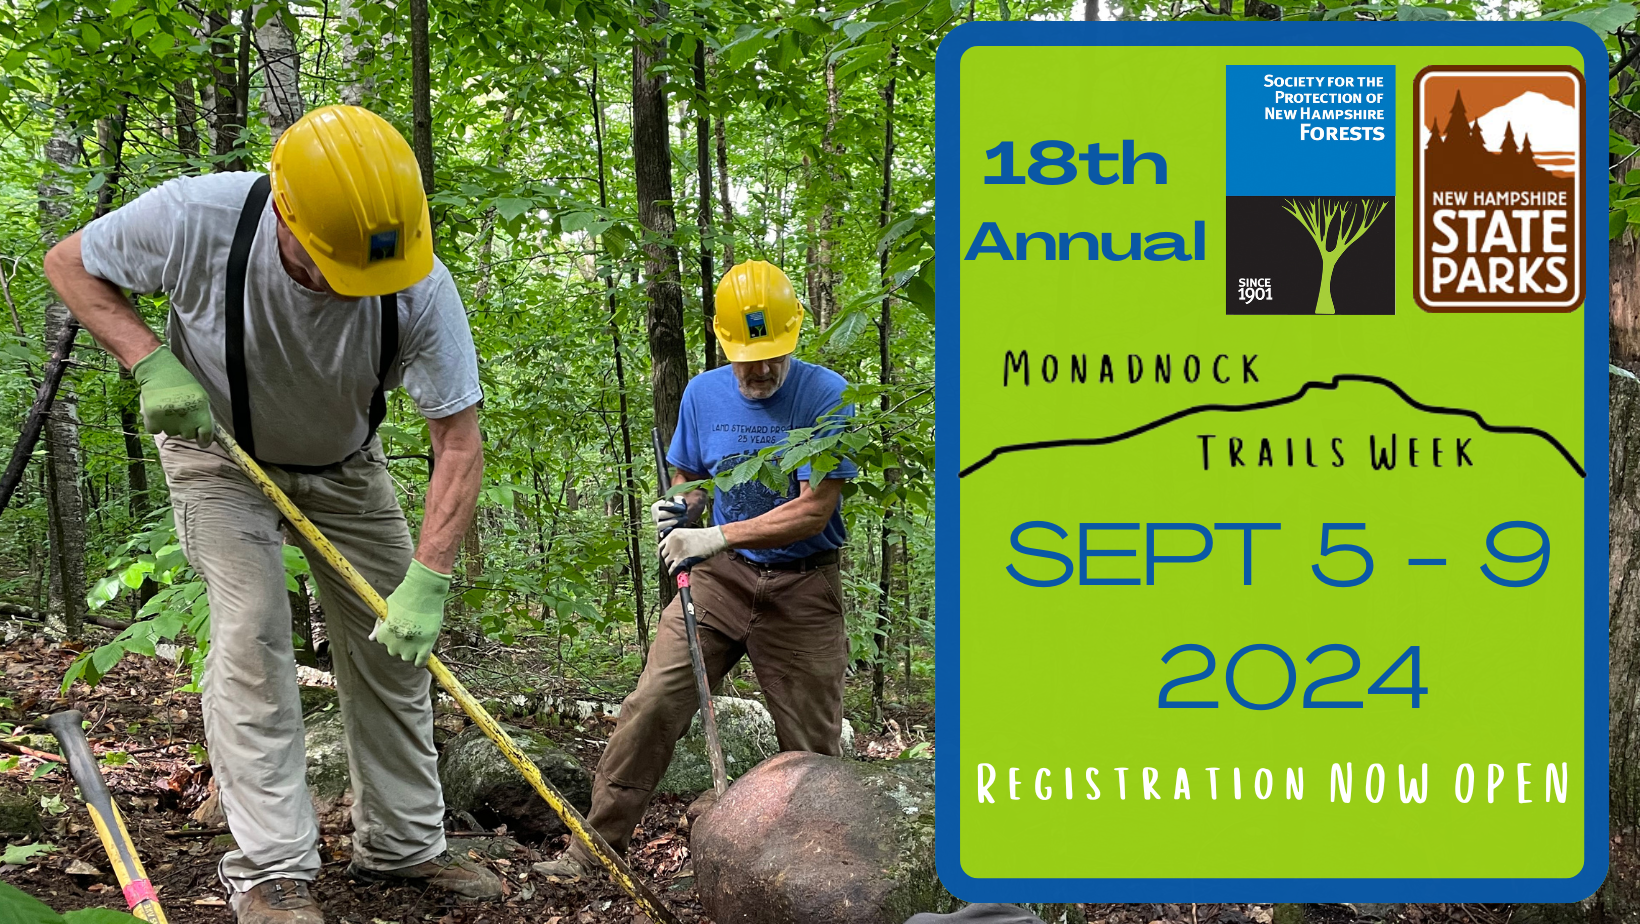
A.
x: 297, y: 300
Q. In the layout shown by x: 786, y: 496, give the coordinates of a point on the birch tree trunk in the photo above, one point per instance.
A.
x: 281, y: 68
x: 825, y: 278
x: 357, y: 55
x: 65, y: 507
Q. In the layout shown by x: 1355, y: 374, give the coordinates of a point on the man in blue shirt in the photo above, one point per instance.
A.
x: 764, y: 574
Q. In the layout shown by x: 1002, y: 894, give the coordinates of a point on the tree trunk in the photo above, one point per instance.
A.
x: 357, y: 56
x: 652, y: 160
x: 421, y: 93
x: 281, y: 69
x: 65, y: 508
x: 703, y: 167
x: 187, y: 119
x: 629, y: 475
x: 111, y: 141
x: 1619, y: 897
x: 723, y: 196
x: 885, y: 376
x: 136, y: 468
x: 1090, y: 10
x: 825, y: 278
x: 1625, y: 298
x: 223, y: 114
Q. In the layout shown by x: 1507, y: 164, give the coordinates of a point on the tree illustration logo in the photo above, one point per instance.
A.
x: 1334, y: 225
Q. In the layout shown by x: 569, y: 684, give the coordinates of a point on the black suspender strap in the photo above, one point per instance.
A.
x: 239, y: 393
x: 390, y: 349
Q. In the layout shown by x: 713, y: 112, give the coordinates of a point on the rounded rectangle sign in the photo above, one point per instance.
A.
x: 1272, y: 438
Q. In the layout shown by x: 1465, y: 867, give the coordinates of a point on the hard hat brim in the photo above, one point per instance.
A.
x: 773, y: 348
x: 384, y: 277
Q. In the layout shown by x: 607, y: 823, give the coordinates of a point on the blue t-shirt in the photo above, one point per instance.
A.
x: 718, y: 428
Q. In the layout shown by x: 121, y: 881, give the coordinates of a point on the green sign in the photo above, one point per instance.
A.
x: 1272, y: 461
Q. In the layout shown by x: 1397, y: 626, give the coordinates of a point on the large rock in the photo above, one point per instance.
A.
x: 746, y: 731
x: 327, y: 774
x: 808, y: 839
x: 478, y: 779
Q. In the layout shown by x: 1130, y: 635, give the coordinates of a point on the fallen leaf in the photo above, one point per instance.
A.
x: 81, y: 868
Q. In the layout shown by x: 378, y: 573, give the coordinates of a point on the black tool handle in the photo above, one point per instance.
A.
x: 105, y: 816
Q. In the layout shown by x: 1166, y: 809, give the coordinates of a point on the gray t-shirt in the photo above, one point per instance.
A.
x: 311, y: 359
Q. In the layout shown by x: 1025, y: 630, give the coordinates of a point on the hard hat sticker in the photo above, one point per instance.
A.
x: 755, y: 325
x: 384, y: 245
x: 1287, y: 513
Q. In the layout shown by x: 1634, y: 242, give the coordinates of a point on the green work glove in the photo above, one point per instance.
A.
x: 415, y: 612
x: 173, y: 401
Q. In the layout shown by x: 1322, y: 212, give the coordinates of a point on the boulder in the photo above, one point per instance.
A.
x: 746, y: 731
x: 478, y: 779
x: 806, y: 839
x: 327, y: 774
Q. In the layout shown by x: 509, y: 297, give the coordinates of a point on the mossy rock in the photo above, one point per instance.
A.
x: 478, y: 779
x: 19, y: 815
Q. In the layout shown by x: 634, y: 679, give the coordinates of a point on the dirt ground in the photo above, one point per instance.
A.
x: 136, y: 712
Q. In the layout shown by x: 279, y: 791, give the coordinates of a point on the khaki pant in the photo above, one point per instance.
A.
x: 789, y: 623
x: 253, y: 714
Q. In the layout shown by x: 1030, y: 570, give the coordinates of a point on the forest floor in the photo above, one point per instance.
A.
x: 136, y: 712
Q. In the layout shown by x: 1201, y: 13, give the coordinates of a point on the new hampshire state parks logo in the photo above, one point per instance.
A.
x: 1498, y: 177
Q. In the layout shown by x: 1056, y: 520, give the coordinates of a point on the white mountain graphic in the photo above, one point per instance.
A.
x: 1552, y: 126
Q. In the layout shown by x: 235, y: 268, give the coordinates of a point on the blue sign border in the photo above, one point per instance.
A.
x: 947, y: 447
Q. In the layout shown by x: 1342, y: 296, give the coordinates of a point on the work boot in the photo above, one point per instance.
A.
x: 446, y: 871
x: 568, y: 866
x: 277, y: 901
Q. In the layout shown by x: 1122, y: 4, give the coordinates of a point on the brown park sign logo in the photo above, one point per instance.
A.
x: 1499, y: 180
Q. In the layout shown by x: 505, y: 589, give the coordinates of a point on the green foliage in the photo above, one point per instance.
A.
x: 18, y: 907
x: 25, y: 854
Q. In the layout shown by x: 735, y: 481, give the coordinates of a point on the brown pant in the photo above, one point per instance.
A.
x: 791, y: 626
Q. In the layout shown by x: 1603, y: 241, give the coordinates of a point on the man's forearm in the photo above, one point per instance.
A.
x: 98, y: 305
x: 452, y: 495
x: 790, y: 522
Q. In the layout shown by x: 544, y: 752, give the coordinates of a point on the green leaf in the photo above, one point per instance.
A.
x: 845, y: 329
x: 576, y: 221
x: 115, y: 759
x: 106, y: 656
x: 1606, y: 19
x: 18, y: 907
x: 1407, y: 13
x: 510, y: 209
x: 1616, y: 222
x: 18, y: 856
x: 40, y: 771
x: 856, y: 29
x: 99, y: 916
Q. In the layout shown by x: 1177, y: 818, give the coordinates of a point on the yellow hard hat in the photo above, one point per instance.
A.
x: 347, y: 185
x: 758, y: 316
